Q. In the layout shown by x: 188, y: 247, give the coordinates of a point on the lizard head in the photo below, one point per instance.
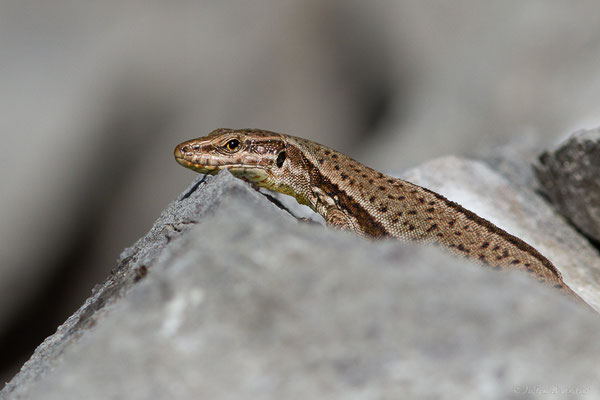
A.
x: 255, y: 155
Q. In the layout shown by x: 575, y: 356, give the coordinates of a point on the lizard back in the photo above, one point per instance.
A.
x: 379, y: 205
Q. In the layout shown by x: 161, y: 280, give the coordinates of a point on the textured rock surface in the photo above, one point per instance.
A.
x: 132, y: 266
x: 570, y: 177
x: 241, y: 301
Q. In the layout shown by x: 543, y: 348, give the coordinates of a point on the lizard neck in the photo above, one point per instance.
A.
x: 336, y: 186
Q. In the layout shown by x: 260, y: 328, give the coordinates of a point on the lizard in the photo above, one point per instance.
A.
x: 354, y: 197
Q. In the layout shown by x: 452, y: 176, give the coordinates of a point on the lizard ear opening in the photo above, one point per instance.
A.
x: 280, y: 159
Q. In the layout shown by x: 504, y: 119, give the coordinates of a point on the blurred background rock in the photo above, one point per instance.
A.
x: 95, y: 95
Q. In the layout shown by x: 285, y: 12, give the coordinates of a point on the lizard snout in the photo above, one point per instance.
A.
x: 179, y: 151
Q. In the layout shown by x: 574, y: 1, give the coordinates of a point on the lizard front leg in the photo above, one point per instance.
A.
x: 327, y: 206
x: 338, y: 219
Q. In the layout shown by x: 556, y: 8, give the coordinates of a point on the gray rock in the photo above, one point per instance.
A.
x: 191, y: 207
x: 570, y: 177
x: 241, y: 301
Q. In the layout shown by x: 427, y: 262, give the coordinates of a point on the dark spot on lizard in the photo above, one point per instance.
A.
x: 431, y: 203
x: 412, y: 212
x: 432, y: 228
x: 327, y: 152
x: 390, y: 181
x: 383, y: 209
x: 364, y: 175
x: 496, y: 247
x: 390, y: 197
x: 485, y: 245
x: 399, y: 213
x: 463, y: 249
x: 411, y: 227
x: 515, y: 262
x: 400, y: 197
x: 382, y: 188
x: 430, y: 210
x: 321, y: 161
x: 336, y: 167
x: 351, y: 183
x: 334, y: 156
x: 372, y: 199
x: 451, y: 223
x: 558, y: 286
x: 421, y: 200
x: 343, y: 176
x: 395, y: 220
x: 371, y: 181
x: 458, y: 233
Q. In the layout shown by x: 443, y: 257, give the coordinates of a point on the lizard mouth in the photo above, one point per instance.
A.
x: 254, y: 174
x: 183, y: 158
x: 204, y: 169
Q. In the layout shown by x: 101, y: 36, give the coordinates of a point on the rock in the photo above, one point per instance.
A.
x: 570, y: 177
x: 198, y: 201
x: 241, y: 301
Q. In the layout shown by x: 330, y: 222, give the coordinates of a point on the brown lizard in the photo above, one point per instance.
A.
x: 352, y: 196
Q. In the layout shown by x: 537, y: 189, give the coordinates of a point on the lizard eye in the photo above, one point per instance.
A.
x: 232, y: 144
